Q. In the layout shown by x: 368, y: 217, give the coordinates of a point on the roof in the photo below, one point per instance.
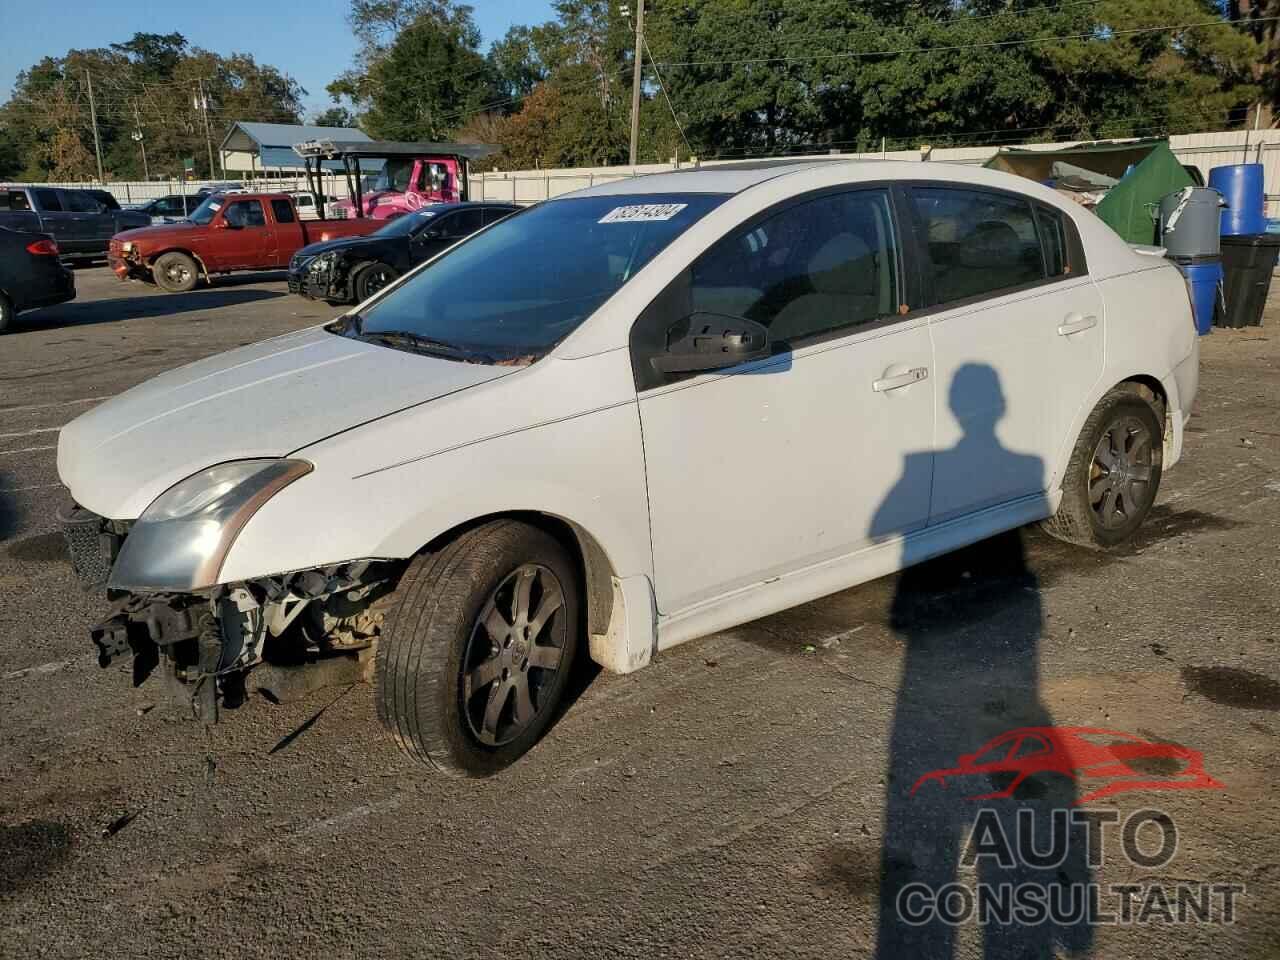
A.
x: 334, y: 146
x: 710, y: 179
x: 273, y: 142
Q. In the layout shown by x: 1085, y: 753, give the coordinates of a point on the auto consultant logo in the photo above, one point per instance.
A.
x: 1034, y: 854
x: 1116, y: 762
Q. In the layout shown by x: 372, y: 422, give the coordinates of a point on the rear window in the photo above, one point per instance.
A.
x: 48, y: 200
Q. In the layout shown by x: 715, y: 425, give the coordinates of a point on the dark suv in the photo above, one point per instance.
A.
x: 82, y: 222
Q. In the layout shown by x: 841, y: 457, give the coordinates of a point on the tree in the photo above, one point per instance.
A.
x: 333, y: 117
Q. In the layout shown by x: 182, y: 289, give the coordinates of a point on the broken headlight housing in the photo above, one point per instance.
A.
x: 182, y: 539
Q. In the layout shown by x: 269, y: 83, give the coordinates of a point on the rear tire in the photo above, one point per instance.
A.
x: 175, y: 272
x: 478, y: 647
x: 371, y: 278
x: 1113, y: 476
x: 6, y: 313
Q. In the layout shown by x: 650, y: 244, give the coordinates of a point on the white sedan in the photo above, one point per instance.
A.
x: 625, y: 418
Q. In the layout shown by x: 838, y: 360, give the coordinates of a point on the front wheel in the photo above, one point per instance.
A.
x: 175, y: 272
x: 476, y: 652
x: 1114, y: 473
x: 6, y: 313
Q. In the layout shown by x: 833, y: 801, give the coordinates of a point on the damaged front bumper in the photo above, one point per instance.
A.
x: 320, y: 279
x: 207, y: 643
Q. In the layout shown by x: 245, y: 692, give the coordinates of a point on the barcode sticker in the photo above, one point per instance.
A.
x: 642, y: 212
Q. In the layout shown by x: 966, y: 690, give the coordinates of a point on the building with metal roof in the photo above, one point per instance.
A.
x: 256, y: 149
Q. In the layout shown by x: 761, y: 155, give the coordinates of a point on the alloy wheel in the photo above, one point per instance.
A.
x: 517, y: 644
x: 1121, y: 471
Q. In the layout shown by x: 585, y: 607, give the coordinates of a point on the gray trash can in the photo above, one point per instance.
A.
x: 1189, y: 222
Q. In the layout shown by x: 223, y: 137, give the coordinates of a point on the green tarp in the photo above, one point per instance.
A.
x: 1128, y: 206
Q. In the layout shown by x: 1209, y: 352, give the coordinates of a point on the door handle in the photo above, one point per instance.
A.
x: 1074, y: 323
x: 914, y: 375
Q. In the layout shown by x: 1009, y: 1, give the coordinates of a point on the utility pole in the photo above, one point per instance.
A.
x: 635, y: 81
x: 93, y: 118
x: 208, y: 137
x: 142, y: 145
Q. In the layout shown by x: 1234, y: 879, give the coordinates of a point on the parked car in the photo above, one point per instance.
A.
x: 171, y: 208
x: 627, y: 417
x: 306, y: 204
x: 81, y: 221
x: 31, y: 275
x: 227, y: 232
x: 353, y: 269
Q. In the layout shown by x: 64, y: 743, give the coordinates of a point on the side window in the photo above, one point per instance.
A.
x: 464, y: 223
x: 283, y: 211
x: 246, y: 213
x: 979, y: 243
x: 80, y: 202
x: 48, y: 200
x: 817, y: 266
x: 1053, y: 241
x: 494, y: 214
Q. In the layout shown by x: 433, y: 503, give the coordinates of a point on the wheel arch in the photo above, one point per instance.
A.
x: 594, y: 566
x: 152, y: 258
x: 1145, y: 385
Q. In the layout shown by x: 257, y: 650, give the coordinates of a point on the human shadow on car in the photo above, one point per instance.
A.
x: 971, y: 622
x: 86, y: 312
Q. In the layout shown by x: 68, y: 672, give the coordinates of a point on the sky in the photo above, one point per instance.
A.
x: 310, y: 41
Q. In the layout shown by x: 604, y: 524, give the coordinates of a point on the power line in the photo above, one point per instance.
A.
x: 661, y: 86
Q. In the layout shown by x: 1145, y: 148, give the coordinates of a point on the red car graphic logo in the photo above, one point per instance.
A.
x: 1084, y: 754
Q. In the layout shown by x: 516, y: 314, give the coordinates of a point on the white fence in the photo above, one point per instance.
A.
x: 1204, y: 150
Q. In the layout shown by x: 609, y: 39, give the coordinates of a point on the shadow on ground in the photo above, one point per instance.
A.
x: 157, y: 304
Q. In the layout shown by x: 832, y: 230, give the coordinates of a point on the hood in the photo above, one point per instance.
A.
x: 164, y: 231
x: 265, y: 400
x: 342, y: 243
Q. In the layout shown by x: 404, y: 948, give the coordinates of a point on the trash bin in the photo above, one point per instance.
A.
x: 1204, y: 274
x: 1241, y: 185
x: 1189, y: 222
x: 1247, y: 262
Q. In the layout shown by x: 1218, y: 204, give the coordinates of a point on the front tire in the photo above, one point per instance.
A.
x: 175, y: 272
x: 371, y: 278
x: 6, y: 313
x: 478, y: 648
x: 1114, y: 473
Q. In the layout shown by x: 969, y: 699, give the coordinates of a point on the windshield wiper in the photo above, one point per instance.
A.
x: 420, y: 344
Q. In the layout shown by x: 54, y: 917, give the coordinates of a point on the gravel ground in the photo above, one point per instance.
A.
x: 745, y: 795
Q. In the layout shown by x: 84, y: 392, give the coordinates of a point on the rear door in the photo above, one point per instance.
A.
x: 73, y: 236
x: 1018, y: 342
x: 287, y: 235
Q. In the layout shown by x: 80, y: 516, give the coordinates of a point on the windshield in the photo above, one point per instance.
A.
x: 205, y: 212
x: 407, y: 225
x: 394, y: 176
x: 523, y: 285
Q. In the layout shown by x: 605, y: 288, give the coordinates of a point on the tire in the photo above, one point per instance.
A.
x: 370, y: 278
x: 6, y: 313
x: 175, y: 272
x: 454, y: 632
x: 1104, y: 503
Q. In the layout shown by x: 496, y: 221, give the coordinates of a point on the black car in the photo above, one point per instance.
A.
x: 31, y: 275
x: 171, y: 208
x: 353, y: 269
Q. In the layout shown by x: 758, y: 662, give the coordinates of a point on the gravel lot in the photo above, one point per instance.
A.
x: 743, y: 796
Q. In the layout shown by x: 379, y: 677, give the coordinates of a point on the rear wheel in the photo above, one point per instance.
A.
x: 1114, y: 473
x: 175, y: 272
x: 476, y: 652
x: 371, y: 278
x: 6, y: 313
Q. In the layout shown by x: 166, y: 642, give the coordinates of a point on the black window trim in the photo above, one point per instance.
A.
x: 920, y: 250
x: 656, y: 316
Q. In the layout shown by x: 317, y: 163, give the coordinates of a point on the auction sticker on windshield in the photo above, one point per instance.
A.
x: 642, y: 212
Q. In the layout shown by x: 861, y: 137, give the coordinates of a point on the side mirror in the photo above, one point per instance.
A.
x: 711, y: 341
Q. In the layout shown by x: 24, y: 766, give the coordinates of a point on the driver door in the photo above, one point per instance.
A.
x: 248, y: 240
x: 763, y: 469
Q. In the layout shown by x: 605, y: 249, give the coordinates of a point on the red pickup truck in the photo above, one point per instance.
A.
x: 227, y: 232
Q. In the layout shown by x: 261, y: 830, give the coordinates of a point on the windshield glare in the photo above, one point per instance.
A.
x: 521, y: 286
x: 406, y: 225
x: 205, y: 212
x: 394, y: 176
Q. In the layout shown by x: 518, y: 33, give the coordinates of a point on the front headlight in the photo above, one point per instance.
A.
x: 181, y: 540
x: 127, y: 246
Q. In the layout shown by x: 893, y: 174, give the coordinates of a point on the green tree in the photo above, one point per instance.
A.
x: 333, y: 117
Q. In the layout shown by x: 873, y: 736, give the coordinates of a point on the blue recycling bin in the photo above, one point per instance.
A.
x: 1204, y: 274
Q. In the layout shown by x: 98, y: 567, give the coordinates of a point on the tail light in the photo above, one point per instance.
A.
x: 43, y: 248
